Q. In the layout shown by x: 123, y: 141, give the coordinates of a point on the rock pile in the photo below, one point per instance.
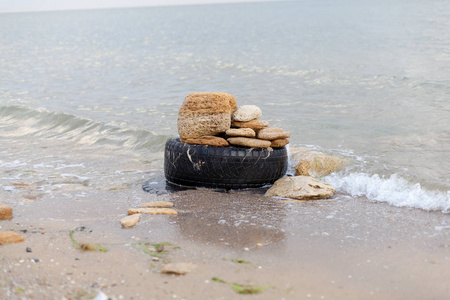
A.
x: 214, y: 119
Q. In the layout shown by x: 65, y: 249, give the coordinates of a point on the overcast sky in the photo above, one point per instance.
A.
x: 40, y: 5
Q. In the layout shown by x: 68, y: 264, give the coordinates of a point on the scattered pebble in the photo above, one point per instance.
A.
x: 28, y: 249
x: 130, y: 220
x: 152, y: 211
x: 101, y: 296
x: 178, y: 268
x: 8, y: 237
x: 6, y: 211
x: 157, y: 204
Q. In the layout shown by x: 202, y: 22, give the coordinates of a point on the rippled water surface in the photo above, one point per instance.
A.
x: 88, y: 98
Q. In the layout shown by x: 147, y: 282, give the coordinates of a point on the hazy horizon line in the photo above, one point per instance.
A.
x: 137, y: 5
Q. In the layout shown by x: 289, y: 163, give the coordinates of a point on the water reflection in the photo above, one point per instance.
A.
x: 235, y: 218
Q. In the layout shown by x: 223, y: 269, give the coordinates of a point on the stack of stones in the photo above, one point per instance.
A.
x: 214, y: 119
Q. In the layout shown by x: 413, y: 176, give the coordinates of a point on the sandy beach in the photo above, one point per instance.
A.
x: 340, y: 248
x: 89, y: 99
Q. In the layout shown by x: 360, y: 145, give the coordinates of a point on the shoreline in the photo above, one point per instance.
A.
x: 340, y: 248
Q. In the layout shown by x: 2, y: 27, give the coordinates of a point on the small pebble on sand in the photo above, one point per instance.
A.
x: 8, y: 237
x: 130, y: 220
x: 178, y: 268
x: 5, y: 211
x: 157, y: 204
x: 152, y: 211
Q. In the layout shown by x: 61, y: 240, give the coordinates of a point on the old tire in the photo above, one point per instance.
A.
x: 222, y: 167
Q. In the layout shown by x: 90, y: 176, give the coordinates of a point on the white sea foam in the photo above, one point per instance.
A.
x: 394, y: 190
x: 12, y: 164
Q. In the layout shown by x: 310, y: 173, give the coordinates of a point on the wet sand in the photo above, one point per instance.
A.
x: 341, y: 248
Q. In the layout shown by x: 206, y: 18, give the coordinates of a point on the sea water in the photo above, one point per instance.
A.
x: 89, y: 98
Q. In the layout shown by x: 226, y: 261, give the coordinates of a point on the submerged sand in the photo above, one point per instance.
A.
x: 340, y: 248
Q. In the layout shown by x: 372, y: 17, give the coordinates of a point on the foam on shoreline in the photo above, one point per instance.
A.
x: 394, y: 190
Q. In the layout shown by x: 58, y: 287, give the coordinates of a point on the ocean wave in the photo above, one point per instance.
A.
x: 394, y: 190
x: 21, y: 121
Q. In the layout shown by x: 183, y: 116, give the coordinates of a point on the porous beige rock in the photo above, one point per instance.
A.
x: 152, y: 211
x: 246, y: 113
x: 157, y: 204
x: 130, y: 220
x: 300, y: 188
x: 249, y: 142
x: 208, y: 140
x: 231, y: 101
x: 178, y: 268
x: 318, y: 164
x: 5, y: 211
x: 242, y: 132
x: 253, y: 124
x: 8, y: 237
x: 272, y: 133
x: 205, y: 114
x: 279, y: 143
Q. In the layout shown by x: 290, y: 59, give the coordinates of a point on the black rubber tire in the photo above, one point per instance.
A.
x: 222, y: 167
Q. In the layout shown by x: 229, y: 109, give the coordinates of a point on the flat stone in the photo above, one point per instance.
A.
x: 318, y: 164
x: 157, y: 204
x: 214, y: 141
x: 130, y: 221
x: 8, y: 237
x: 204, y: 114
x: 242, y: 132
x: 248, y: 142
x: 272, y: 133
x: 246, y: 113
x: 253, y: 124
x: 300, y: 188
x: 279, y: 143
x: 6, y: 211
x: 178, y: 268
x: 152, y: 211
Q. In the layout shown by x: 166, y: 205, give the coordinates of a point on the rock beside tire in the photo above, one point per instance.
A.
x: 301, y: 188
x: 227, y: 167
x: 318, y: 164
